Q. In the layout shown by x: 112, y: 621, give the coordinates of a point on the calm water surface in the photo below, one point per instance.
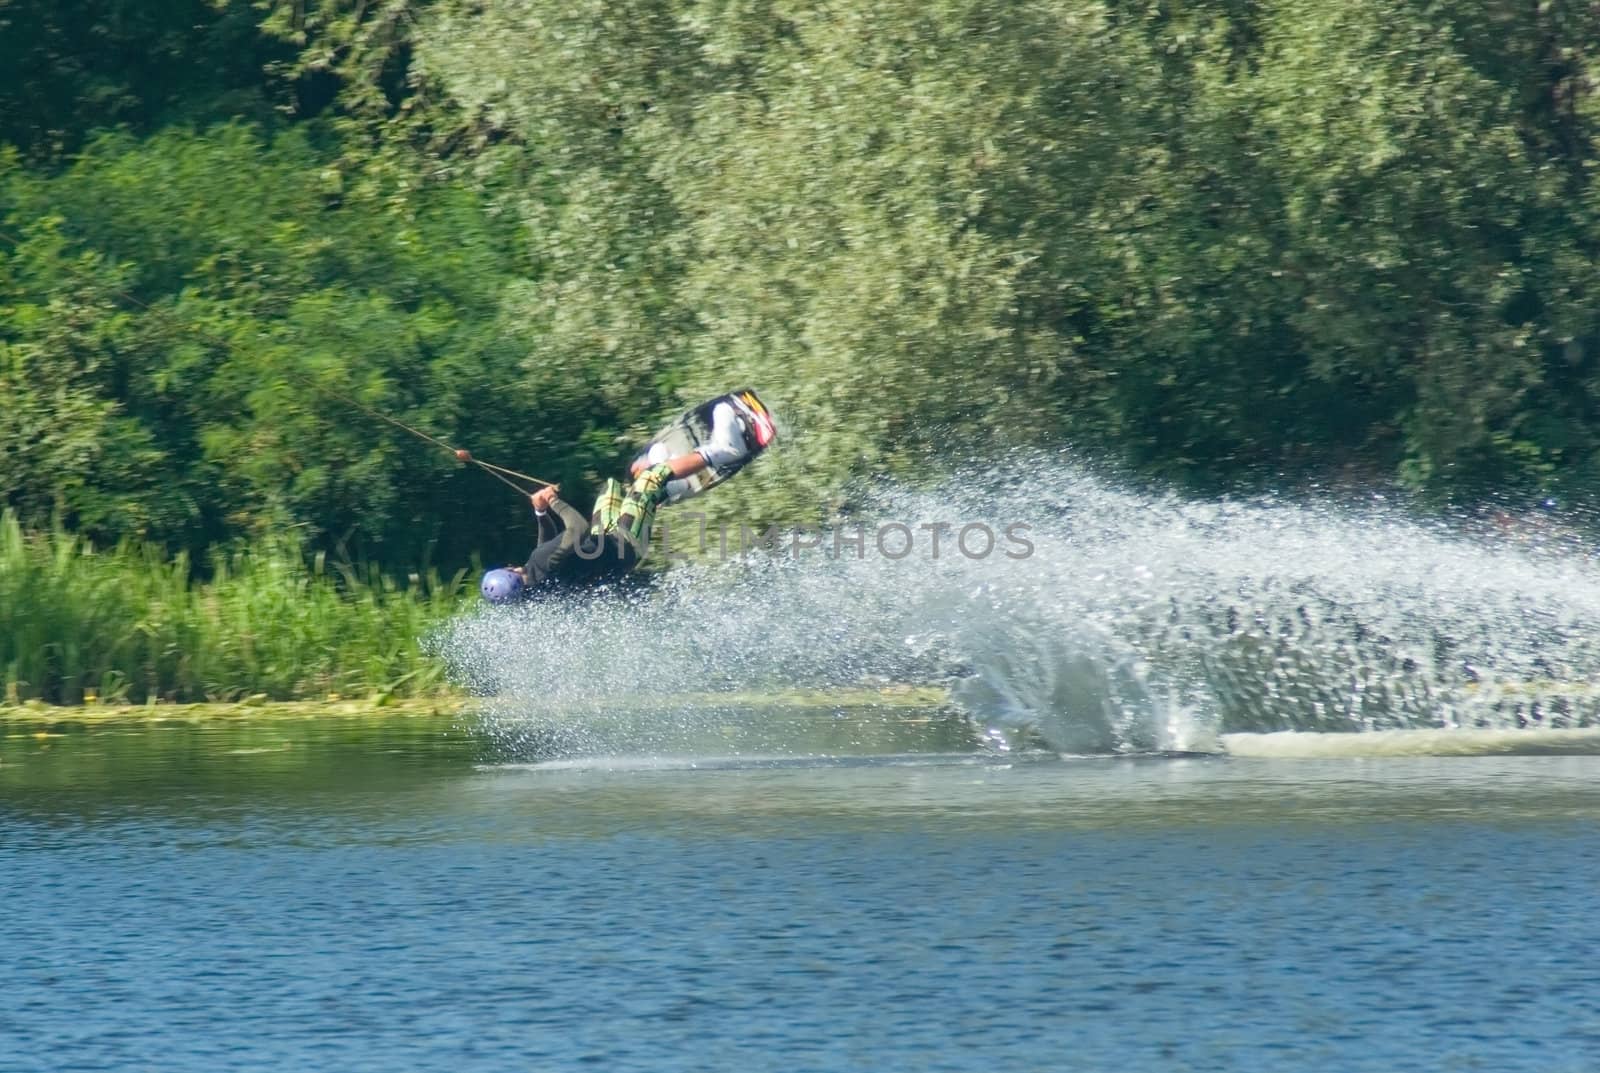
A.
x: 349, y: 896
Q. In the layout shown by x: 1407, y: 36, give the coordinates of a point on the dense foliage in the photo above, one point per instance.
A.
x: 1218, y: 242
x: 126, y: 624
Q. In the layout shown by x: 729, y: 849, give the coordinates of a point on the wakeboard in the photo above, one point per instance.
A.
x: 693, y: 428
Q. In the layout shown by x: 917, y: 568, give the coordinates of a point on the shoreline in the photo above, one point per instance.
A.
x: 37, y: 713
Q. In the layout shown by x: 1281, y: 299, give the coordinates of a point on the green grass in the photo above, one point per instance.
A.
x: 35, y: 718
x: 129, y: 625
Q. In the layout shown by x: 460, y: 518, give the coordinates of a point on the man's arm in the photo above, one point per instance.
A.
x: 551, y: 521
x: 573, y: 524
x: 556, y: 516
x: 549, y: 524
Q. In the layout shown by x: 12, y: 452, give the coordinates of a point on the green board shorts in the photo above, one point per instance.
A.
x: 631, y: 512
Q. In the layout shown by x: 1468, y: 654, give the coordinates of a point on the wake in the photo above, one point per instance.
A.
x: 1133, y: 623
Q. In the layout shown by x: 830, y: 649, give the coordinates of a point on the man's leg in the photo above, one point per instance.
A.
x: 633, y: 513
x: 681, y: 465
x: 725, y: 445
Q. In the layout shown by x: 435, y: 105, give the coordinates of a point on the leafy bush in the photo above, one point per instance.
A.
x: 126, y: 624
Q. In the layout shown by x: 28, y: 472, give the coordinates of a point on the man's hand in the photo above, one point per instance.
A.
x: 541, y: 499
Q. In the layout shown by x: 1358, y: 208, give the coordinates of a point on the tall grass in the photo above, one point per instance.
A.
x: 128, y: 624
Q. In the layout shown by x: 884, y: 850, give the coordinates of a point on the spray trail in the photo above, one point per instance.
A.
x: 1135, y: 623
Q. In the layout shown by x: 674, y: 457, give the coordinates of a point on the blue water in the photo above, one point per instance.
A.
x: 405, y: 897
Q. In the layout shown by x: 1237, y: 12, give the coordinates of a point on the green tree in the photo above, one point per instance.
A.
x: 1214, y: 239
x: 76, y: 66
x: 228, y: 336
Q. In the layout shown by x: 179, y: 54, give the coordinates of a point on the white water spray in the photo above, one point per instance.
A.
x: 1138, y: 623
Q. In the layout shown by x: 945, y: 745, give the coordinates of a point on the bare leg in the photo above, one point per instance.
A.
x: 680, y: 465
x: 684, y: 465
x: 725, y: 447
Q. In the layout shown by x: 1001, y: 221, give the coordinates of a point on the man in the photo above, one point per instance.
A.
x: 578, y: 552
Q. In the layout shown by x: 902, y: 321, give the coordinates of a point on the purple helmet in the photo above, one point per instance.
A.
x: 501, y: 586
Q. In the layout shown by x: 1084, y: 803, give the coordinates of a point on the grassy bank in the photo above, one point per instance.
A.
x: 33, y: 718
x: 908, y: 702
x: 128, y: 625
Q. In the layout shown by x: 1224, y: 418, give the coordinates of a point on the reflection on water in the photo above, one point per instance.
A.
x: 354, y: 895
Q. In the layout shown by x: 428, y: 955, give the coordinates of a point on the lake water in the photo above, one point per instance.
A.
x: 414, y: 894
